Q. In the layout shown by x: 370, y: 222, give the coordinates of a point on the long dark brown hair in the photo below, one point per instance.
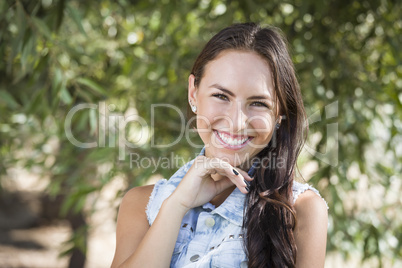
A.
x: 270, y: 218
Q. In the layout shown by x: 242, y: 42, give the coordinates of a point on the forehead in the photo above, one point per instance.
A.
x: 239, y: 71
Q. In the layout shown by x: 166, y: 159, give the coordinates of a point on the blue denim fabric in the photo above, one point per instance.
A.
x: 209, y: 236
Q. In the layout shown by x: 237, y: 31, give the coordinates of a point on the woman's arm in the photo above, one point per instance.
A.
x: 132, y: 223
x: 136, y: 242
x: 311, y: 230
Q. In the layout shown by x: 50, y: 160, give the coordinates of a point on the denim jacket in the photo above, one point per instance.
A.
x: 208, y: 236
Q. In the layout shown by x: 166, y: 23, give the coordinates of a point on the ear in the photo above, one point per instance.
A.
x: 192, y: 90
x: 280, y: 119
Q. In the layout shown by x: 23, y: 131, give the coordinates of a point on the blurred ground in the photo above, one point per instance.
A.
x: 33, y: 247
x: 27, y: 239
x: 40, y: 247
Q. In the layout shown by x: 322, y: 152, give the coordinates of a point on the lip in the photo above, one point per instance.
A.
x: 232, y: 147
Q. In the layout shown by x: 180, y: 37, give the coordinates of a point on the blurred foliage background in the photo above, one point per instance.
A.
x: 123, y: 56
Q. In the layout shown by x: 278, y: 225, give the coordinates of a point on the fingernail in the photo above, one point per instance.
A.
x: 235, y: 172
x: 247, y: 189
x: 246, y: 182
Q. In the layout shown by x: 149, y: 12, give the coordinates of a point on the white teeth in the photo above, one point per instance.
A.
x: 231, y: 141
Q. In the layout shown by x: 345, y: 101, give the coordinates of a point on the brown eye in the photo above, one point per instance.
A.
x: 260, y: 104
x: 220, y: 96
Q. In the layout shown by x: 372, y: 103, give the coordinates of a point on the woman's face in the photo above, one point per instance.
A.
x: 235, y: 106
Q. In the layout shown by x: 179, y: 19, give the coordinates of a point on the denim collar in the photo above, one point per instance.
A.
x: 232, y: 208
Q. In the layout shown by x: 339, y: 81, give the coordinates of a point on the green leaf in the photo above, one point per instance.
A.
x: 66, y: 206
x: 60, y: 14
x: 36, y: 102
x: 17, y: 42
x: 42, y: 27
x: 84, y: 95
x: 92, y: 85
x: 57, y: 81
x: 8, y: 99
x: 65, y: 96
x: 28, y: 52
x: 76, y: 16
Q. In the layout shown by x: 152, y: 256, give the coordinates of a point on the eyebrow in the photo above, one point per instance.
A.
x: 256, y: 97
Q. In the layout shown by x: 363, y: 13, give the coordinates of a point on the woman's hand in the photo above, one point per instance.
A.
x: 198, y: 187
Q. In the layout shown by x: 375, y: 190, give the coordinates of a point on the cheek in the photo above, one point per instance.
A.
x: 208, y: 115
x: 204, y: 123
x: 204, y: 127
x: 264, y: 126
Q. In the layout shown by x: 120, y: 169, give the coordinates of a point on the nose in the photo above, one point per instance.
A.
x: 239, y: 118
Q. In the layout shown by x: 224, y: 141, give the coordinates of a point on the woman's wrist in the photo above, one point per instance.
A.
x: 175, y: 206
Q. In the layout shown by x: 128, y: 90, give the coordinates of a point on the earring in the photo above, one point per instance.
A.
x: 277, y: 125
x: 193, y: 107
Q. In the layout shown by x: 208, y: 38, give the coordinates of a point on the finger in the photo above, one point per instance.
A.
x: 232, y: 173
x: 245, y: 174
x: 225, y: 169
x: 247, y: 179
x: 206, y: 164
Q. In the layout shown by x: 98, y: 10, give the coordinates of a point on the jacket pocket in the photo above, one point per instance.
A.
x: 229, y: 254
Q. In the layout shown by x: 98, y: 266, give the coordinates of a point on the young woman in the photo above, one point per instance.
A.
x: 212, y: 213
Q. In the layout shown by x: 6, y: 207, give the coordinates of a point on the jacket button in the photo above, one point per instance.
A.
x: 243, y: 264
x: 195, y: 258
x: 209, y: 222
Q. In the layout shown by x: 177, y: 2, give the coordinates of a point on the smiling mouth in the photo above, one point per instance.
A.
x: 232, y: 142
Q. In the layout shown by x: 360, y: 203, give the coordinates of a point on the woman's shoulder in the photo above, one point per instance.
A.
x: 307, y: 192
x: 139, y: 192
x: 309, y: 202
x: 138, y: 195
